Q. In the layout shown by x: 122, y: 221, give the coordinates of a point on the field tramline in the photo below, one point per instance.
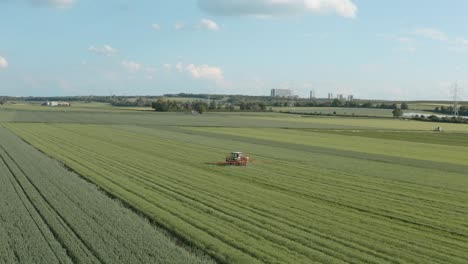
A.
x: 51, y: 215
x: 299, y: 206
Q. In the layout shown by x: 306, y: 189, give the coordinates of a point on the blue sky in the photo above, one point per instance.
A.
x: 372, y: 49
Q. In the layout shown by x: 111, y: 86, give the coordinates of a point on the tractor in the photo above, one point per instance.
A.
x: 237, y: 158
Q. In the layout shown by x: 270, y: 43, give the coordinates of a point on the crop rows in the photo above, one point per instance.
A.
x: 438, y: 153
x: 79, y: 115
x: 296, y: 207
x: 451, y: 139
x: 50, y: 215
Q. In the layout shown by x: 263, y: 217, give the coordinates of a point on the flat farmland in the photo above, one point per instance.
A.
x: 350, y: 111
x: 338, y: 110
x: 50, y: 215
x: 234, y: 119
x: 347, y: 123
x: 75, y: 107
x: 332, y: 196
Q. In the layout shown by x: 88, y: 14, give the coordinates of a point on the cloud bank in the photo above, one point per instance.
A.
x: 431, y: 33
x: 266, y: 8
x: 131, y: 65
x: 3, y: 63
x: 179, y: 26
x: 54, y: 3
x: 209, y: 24
x: 404, y: 43
x: 106, y: 50
x: 206, y: 72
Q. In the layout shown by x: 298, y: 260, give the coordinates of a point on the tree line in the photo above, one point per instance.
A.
x: 349, y: 104
x: 444, y: 119
x: 167, y: 105
x: 448, y: 110
x: 139, y: 102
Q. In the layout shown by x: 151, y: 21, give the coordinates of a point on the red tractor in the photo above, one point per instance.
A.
x: 237, y: 158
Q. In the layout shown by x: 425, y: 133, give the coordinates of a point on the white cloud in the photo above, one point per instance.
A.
x: 345, y: 8
x: 137, y: 67
x: 457, y: 44
x: 3, y: 63
x: 106, y: 50
x: 460, y: 44
x: 151, y: 69
x: 431, y: 33
x: 156, y: 26
x: 179, y: 26
x: 179, y: 67
x: 209, y: 25
x: 404, y: 43
x: 396, y: 38
x: 206, y: 72
x: 462, y: 41
x: 167, y: 66
x: 268, y: 8
x: 131, y: 65
x: 54, y: 3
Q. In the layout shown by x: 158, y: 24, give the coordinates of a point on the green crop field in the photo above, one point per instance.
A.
x: 51, y: 215
x: 371, y: 112
x: 319, y: 189
x: 75, y: 107
x: 337, y: 110
x: 233, y: 132
x: 429, y: 106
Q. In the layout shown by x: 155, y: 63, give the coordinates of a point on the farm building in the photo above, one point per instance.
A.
x: 55, y: 103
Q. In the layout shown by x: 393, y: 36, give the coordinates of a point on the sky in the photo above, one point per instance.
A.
x: 396, y: 50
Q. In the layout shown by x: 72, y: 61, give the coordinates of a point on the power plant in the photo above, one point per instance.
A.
x: 281, y: 93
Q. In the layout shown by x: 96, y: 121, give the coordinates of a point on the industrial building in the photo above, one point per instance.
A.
x: 281, y: 93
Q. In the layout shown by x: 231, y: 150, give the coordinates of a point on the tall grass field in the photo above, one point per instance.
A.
x: 318, y: 189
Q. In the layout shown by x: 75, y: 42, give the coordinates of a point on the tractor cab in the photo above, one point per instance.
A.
x: 237, y: 158
x: 234, y: 156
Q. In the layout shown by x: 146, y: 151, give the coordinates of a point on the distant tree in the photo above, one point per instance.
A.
x: 434, y: 118
x: 262, y: 106
x: 351, y: 104
x: 201, y: 108
x: 397, y: 112
x: 212, y: 105
x: 160, y: 105
x: 366, y: 105
x: 404, y: 106
x: 232, y: 100
x: 243, y: 106
x: 337, y: 103
x: 140, y: 102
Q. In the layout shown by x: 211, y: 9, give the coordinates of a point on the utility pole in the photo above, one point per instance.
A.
x: 455, y: 98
